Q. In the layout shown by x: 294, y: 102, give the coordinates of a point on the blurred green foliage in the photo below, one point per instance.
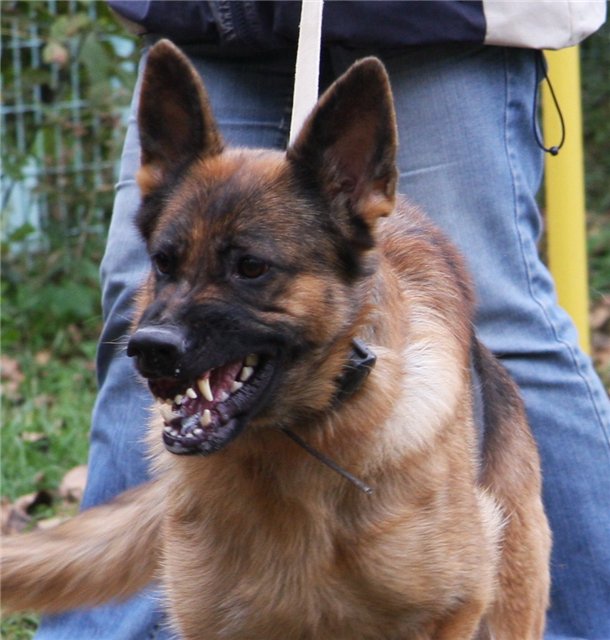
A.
x: 67, y: 90
x: 70, y: 85
x: 595, y: 69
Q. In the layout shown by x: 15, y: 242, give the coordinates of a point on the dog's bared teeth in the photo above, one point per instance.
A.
x: 206, y: 390
x: 245, y: 374
x: 166, y: 413
x: 223, y: 395
x: 178, y: 399
x: 191, y: 393
x: 236, y: 386
x: 206, y: 418
x: 251, y: 360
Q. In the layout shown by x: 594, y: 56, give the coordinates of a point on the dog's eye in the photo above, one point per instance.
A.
x: 251, y: 267
x: 163, y: 263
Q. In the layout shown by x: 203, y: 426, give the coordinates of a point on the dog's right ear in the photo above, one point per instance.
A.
x: 175, y: 120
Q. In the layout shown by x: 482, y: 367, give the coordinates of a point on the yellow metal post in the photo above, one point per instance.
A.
x: 565, y: 191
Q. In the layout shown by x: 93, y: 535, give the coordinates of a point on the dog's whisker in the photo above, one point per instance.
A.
x: 120, y: 342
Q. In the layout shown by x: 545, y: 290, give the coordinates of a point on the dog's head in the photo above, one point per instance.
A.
x: 261, y: 260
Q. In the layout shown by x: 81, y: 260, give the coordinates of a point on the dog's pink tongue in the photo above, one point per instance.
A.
x: 225, y: 380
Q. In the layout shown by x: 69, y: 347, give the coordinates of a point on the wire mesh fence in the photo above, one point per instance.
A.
x: 67, y: 72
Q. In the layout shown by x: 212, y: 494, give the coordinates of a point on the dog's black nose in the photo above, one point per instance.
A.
x: 158, y: 351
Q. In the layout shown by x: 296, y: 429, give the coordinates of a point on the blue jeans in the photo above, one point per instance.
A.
x: 468, y: 156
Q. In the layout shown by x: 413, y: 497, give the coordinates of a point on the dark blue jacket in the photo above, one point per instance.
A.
x: 251, y: 25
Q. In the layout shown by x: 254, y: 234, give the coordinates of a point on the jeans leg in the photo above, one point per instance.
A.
x: 469, y: 158
x: 252, y: 103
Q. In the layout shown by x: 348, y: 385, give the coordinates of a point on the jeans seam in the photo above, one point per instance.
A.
x: 549, y: 321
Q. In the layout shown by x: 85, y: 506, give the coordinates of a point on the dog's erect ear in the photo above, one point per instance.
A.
x: 348, y: 146
x: 175, y: 120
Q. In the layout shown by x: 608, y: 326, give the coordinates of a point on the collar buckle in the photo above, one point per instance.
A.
x: 357, y: 369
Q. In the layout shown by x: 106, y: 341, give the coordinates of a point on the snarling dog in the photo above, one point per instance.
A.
x: 278, y: 279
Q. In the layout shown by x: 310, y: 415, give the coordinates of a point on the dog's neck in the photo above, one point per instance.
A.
x: 359, y: 364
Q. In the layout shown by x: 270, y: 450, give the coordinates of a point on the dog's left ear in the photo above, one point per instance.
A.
x: 348, y: 148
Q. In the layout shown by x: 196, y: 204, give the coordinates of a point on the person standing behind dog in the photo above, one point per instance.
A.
x: 465, y: 77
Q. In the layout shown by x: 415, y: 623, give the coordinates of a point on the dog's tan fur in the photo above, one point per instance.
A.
x: 260, y: 540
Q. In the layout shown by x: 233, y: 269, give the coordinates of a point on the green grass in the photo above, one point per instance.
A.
x: 45, y: 428
x: 19, y: 627
x: 53, y: 404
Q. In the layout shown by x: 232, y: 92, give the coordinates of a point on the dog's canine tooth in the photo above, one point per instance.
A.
x: 198, y: 432
x: 223, y: 395
x: 191, y: 393
x: 206, y: 418
x: 206, y: 390
x: 236, y: 386
x: 251, y: 360
x: 178, y: 399
x: 246, y: 372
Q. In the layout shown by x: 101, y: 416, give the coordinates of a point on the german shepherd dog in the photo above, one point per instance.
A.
x: 277, y: 279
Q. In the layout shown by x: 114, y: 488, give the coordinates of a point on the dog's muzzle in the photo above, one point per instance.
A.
x: 205, y: 400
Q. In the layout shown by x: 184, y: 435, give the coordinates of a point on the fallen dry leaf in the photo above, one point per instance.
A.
x: 42, y: 358
x: 599, y: 318
x: 17, y: 516
x: 600, y: 344
x: 11, y: 377
x: 31, y: 436
x: 12, y: 520
x: 43, y: 401
x: 73, y: 484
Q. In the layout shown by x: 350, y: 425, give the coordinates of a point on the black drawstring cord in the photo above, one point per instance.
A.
x: 542, y: 67
x: 328, y: 462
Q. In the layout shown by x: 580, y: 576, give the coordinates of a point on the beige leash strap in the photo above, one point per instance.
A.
x: 307, y: 69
